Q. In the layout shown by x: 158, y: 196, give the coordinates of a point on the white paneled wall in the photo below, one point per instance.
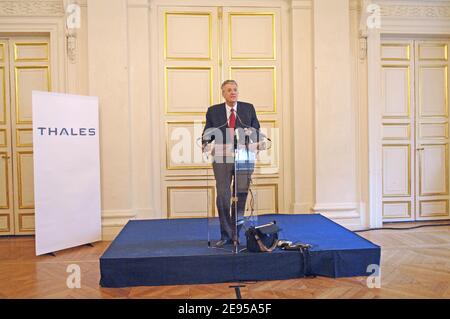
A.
x: 341, y: 96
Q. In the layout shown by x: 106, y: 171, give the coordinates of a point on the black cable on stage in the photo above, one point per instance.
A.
x: 399, y: 228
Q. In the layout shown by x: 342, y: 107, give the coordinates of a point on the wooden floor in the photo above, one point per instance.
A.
x: 415, y: 264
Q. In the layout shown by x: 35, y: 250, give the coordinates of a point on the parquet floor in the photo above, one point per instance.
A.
x: 415, y: 264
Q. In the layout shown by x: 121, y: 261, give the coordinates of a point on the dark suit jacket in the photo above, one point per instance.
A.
x: 216, y: 121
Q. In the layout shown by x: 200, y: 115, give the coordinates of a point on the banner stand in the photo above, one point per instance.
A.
x: 66, y: 171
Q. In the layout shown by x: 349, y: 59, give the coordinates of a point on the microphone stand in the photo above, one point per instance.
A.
x: 238, y: 166
x: 235, y: 198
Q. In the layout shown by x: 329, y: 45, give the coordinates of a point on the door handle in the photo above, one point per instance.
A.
x: 5, y: 156
x: 420, y: 148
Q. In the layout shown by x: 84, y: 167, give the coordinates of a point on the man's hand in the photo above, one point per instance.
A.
x: 206, y: 147
x: 262, y: 145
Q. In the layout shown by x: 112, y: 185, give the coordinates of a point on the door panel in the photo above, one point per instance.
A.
x: 433, y: 209
x: 28, y: 78
x: 6, y: 176
x: 251, y: 34
x: 258, y: 85
x: 433, y: 91
x: 396, y: 89
x: 252, y: 57
x: 398, y: 130
x: 188, y: 35
x: 200, y: 48
x: 415, y: 93
x: 189, y: 76
x: 432, y: 134
x: 433, y: 166
x: 396, y: 170
x: 29, y: 69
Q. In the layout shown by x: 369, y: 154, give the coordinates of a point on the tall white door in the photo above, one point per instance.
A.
x: 415, y: 130
x: 198, y: 48
x: 432, y: 140
x: 6, y: 170
x: 24, y: 66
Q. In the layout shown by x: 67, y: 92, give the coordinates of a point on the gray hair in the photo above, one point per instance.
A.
x: 228, y: 82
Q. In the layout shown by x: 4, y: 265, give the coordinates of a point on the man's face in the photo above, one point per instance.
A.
x: 230, y: 93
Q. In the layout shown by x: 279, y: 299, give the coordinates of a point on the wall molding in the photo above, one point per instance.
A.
x: 337, y: 210
x: 349, y: 223
x: 113, y: 221
x: 350, y: 215
x: 109, y: 233
x: 413, y: 17
x: 302, y: 208
x: 138, y: 4
x: 354, y: 5
x: 301, y: 4
x: 415, y: 11
x: 416, y: 17
x: 118, y: 213
x: 123, y: 213
x: 22, y: 8
x: 117, y: 217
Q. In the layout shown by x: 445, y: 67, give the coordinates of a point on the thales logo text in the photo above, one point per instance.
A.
x: 66, y: 131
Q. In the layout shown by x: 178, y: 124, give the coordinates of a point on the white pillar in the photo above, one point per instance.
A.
x: 108, y: 79
x: 375, y: 134
x: 142, y: 152
x: 335, y: 145
x: 303, y: 105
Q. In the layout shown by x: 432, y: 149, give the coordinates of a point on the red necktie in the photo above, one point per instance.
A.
x: 232, y: 123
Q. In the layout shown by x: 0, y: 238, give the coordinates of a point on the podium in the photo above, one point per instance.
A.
x: 235, y: 201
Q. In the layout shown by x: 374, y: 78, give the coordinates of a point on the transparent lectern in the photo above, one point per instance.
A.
x: 231, y: 177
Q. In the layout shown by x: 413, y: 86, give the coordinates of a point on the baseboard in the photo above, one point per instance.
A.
x: 302, y: 208
x: 349, y: 223
x: 349, y: 215
x: 114, y: 220
x: 342, y: 210
x: 109, y: 233
x: 346, y: 214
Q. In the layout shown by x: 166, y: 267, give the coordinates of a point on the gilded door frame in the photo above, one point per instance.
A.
x: 390, y: 26
x: 54, y: 28
x: 286, y: 181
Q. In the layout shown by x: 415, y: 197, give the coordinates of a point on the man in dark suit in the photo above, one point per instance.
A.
x: 229, y: 124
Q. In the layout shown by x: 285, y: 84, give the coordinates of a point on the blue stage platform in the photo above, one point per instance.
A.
x: 175, y: 251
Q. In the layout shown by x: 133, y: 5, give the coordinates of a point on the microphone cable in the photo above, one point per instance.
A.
x: 250, y: 127
x: 213, y: 129
x: 399, y: 228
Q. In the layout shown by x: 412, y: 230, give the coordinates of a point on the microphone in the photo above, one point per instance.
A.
x: 264, y: 135
x: 236, y: 134
x: 207, y: 136
x: 252, y: 129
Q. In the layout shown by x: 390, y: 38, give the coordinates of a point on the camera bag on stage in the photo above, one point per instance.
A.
x: 262, y: 238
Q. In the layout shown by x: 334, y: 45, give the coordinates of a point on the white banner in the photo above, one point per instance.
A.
x: 66, y: 171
